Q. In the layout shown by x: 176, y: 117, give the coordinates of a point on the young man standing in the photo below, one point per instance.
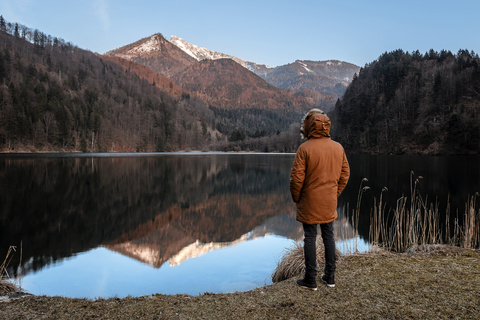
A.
x: 319, y: 174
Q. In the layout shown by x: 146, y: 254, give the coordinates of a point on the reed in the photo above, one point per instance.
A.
x: 468, y: 236
x: 7, y: 286
x: 417, y: 222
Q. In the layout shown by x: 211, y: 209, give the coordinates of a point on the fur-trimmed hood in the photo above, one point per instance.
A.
x: 315, y: 125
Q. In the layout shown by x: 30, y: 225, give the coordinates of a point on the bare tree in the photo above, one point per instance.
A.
x: 48, y: 121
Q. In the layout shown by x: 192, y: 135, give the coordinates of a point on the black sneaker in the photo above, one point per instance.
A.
x: 307, y: 284
x: 329, y: 281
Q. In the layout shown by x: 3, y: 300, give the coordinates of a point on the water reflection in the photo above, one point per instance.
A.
x: 164, y: 210
x: 149, y: 208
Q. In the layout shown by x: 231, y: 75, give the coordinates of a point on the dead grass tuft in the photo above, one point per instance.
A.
x: 292, y: 263
x: 7, y: 286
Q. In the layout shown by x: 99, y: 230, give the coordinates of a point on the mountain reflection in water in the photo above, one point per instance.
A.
x: 151, y: 208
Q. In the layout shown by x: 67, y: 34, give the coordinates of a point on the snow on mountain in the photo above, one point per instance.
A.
x: 150, y: 45
x: 197, y: 52
x: 200, y: 53
x: 305, y: 66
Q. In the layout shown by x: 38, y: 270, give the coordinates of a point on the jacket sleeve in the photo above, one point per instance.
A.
x: 344, y: 175
x: 297, y: 175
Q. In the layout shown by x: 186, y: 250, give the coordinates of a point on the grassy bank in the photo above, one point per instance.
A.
x: 440, y: 284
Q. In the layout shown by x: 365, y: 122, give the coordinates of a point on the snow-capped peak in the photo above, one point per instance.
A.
x: 196, y: 51
x: 151, y: 44
x: 203, y: 53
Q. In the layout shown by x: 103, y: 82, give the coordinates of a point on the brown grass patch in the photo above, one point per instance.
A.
x: 292, y: 263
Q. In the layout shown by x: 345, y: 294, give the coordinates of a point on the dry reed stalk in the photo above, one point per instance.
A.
x: 471, y: 230
x: 292, y: 262
x: 6, y: 286
x: 412, y: 225
x: 447, y: 219
x: 377, y: 227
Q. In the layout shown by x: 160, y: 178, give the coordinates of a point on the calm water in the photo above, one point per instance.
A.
x: 117, y: 225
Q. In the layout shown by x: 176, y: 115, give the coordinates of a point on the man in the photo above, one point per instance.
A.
x: 319, y: 174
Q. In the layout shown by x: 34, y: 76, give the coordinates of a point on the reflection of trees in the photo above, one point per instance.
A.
x: 60, y: 206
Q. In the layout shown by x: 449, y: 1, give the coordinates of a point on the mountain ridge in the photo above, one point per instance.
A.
x: 204, y: 53
x: 329, y: 77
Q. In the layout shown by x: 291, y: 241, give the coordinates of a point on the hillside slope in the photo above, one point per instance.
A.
x: 406, y: 103
x: 59, y: 97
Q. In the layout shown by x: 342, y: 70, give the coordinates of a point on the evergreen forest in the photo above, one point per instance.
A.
x: 412, y: 103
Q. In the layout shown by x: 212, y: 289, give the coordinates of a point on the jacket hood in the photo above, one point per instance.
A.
x: 316, y: 124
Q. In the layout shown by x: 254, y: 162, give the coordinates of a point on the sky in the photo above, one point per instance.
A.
x: 268, y: 32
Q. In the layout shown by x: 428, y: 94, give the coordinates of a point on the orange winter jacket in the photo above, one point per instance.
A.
x: 319, y: 173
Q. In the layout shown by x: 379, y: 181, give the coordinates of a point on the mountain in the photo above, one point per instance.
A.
x: 221, y: 84
x: 204, y: 53
x: 224, y: 83
x: 173, y: 58
x: 253, y: 104
x: 156, y: 53
x: 327, y: 77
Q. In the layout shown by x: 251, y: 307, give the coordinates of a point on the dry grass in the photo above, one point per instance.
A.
x: 444, y: 285
x: 7, y: 286
x: 292, y: 263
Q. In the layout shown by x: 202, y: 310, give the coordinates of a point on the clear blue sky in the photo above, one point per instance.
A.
x: 268, y: 32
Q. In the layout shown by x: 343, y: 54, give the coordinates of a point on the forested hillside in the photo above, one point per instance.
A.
x: 55, y: 96
x: 409, y: 103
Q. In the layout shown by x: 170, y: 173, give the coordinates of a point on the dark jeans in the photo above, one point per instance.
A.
x: 310, y: 250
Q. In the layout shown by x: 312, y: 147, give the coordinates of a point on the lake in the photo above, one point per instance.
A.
x: 103, y: 225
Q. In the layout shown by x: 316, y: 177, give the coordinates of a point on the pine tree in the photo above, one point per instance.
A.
x: 3, y: 72
x: 3, y: 25
x: 16, y: 33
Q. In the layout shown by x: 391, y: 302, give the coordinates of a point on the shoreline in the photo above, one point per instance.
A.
x: 443, y: 282
x: 185, y: 152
